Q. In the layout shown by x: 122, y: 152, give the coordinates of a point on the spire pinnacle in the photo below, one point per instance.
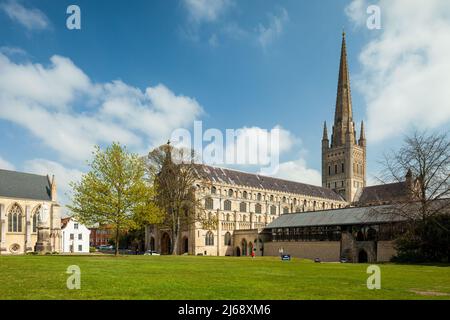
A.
x: 343, y: 113
x: 325, y: 131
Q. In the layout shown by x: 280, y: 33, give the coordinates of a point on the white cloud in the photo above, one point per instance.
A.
x: 206, y: 10
x: 30, y: 18
x: 405, y: 67
x: 63, y: 175
x: 44, y: 100
x: 267, y: 34
x: 5, y: 165
x: 356, y: 11
x: 297, y: 170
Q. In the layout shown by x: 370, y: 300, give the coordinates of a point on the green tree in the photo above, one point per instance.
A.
x: 115, y: 192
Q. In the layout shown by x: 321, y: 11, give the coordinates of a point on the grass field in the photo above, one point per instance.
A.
x: 189, y: 277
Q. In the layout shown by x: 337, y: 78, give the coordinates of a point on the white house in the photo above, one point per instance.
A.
x: 75, y: 236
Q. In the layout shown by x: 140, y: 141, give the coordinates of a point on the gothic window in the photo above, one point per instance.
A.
x: 273, y: 210
x: 213, y: 190
x: 271, y: 198
x: 227, y: 239
x: 257, y: 208
x: 329, y: 170
x: 209, y: 204
x: 15, y: 217
x: 295, y: 201
x: 335, y: 169
x: 258, y: 197
x: 342, y: 169
x: 228, y: 217
x: 243, y: 207
x: 35, y: 215
x: 227, y: 205
x: 284, y: 199
x: 230, y: 192
x: 209, y: 239
x: 244, y: 195
x: 244, y: 218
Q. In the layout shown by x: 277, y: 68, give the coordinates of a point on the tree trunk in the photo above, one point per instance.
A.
x: 116, y: 251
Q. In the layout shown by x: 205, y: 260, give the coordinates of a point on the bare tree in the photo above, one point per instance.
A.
x: 178, y: 188
x: 426, y: 208
x: 426, y: 160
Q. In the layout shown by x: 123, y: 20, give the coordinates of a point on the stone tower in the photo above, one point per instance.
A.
x: 344, y: 157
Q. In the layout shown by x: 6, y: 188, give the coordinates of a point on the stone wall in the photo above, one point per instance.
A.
x: 385, y: 251
x: 327, y: 251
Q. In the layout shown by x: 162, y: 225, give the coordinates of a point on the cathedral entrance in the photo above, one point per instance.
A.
x: 362, y: 256
x: 185, y: 245
x: 152, y: 244
x: 166, y: 244
x: 244, y: 247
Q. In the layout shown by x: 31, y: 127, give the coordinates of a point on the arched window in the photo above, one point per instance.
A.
x: 342, y: 169
x: 335, y: 169
x: 259, y: 197
x: 227, y: 205
x: 209, y: 204
x: 273, y: 210
x: 244, y: 218
x: 15, y: 219
x: 244, y: 195
x: 213, y: 190
x: 243, y: 207
x: 34, y: 219
x: 284, y: 199
x: 227, y: 239
x: 295, y: 201
x: 271, y: 198
x: 329, y: 170
x: 228, y: 217
x: 257, y: 208
x: 209, y: 239
x: 230, y: 192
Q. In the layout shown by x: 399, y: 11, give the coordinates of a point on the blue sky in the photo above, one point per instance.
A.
x: 231, y: 64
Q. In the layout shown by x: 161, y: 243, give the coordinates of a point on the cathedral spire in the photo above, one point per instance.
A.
x: 325, y: 131
x: 362, y: 136
x: 343, y: 113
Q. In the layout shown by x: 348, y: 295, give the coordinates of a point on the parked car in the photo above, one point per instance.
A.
x: 151, y: 253
x: 105, y: 247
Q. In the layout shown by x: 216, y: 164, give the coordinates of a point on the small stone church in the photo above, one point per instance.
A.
x: 22, y: 198
x: 270, y: 216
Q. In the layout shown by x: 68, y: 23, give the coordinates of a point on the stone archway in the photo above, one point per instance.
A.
x: 238, y: 252
x: 244, y: 247
x: 152, y: 244
x: 166, y: 244
x: 250, y: 248
x: 362, y: 256
x: 185, y: 245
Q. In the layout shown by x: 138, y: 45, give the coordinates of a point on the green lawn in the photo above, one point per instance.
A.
x: 188, y: 277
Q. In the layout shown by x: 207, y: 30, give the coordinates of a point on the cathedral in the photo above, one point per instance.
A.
x: 267, y: 216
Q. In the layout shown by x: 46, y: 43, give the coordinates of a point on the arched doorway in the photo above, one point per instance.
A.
x: 166, y: 244
x: 244, y: 247
x: 152, y: 244
x: 238, y: 252
x: 360, y: 236
x: 185, y: 245
x: 362, y: 256
x: 250, y: 248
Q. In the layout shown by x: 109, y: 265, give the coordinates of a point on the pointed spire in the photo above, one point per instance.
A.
x: 363, y: 133
x: 325, y: 131
x: 343, y: 113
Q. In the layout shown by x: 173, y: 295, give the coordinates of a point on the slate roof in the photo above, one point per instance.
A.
x: 24, y: 185
x: 346, y: 216
x: 252, y: 180
x: 384, y: 192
